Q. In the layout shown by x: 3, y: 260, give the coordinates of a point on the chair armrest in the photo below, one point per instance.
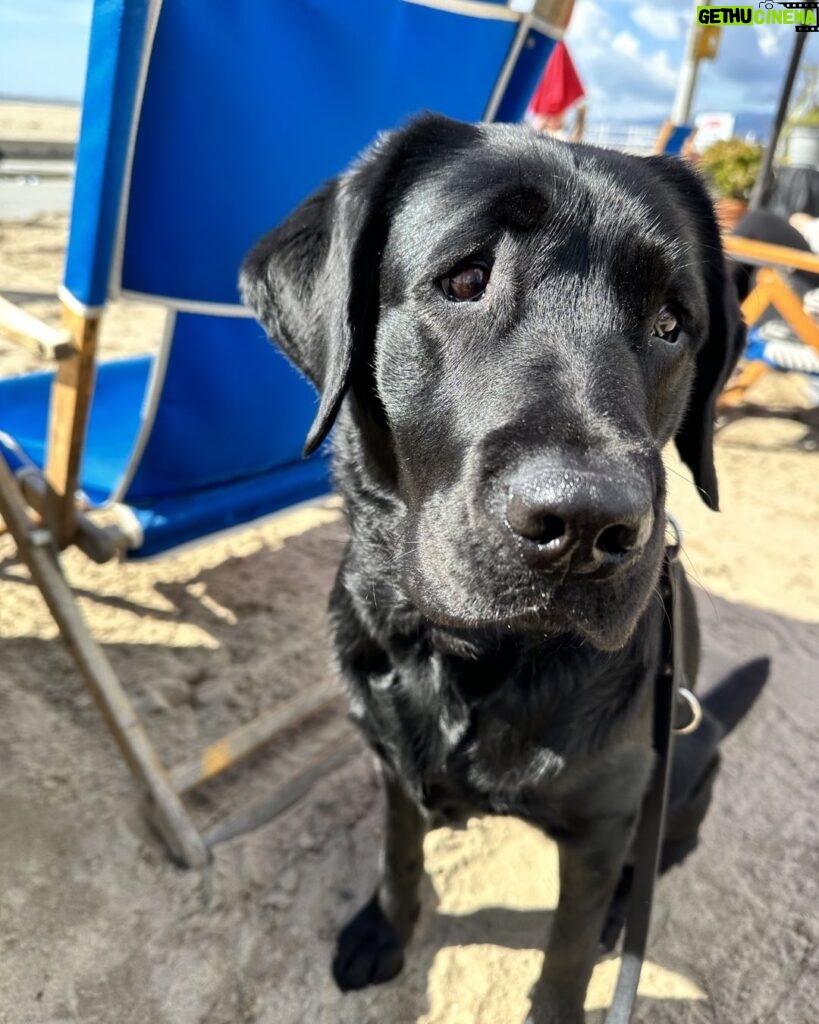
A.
x: 26, y: 330
x: 763, y: 254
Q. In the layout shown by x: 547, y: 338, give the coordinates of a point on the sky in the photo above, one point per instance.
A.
x: 43, y: 46
x: 628, y: 53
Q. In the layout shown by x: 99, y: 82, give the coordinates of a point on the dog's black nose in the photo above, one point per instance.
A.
x: 579, y: 518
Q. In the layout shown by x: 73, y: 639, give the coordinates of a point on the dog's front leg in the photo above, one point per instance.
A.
x: 370, y: 949
x: 588, y: 878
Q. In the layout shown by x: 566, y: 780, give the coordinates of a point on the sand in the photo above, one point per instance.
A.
x: 50, y: 121
x: 97, y: 926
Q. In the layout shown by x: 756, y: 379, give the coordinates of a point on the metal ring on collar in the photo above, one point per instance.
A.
x: 673, y: 549
x: 694, y: 707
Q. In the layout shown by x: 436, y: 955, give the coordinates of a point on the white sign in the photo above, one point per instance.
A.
x: 713, y: 128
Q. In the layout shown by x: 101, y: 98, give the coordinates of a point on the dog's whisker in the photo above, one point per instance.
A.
x: 699, y: 581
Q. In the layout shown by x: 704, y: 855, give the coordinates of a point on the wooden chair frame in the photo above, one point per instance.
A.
x: 41, y: 512
x: 771, y: 289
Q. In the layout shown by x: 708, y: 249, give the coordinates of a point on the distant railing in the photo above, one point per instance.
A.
x: 36, y: 149
x: 629, y: 138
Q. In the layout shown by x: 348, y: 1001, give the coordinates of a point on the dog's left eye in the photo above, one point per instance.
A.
x: 467, y: 284
x: 665, y: 326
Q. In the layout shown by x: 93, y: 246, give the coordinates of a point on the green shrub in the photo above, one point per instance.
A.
x: 810, y: 119
x: 732, y: 166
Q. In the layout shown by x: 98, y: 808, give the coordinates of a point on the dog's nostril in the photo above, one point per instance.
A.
x: 534, y: 523
x: 617, y: 540
x: 549, y: 530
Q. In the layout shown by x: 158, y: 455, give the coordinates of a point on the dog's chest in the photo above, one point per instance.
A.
x: 485, y: 740
x: 490, y: 767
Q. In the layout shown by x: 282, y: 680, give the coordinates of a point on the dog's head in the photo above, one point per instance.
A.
x: 519, y: 326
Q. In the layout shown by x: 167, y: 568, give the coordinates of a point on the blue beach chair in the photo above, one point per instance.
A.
x: 203, y: 125
x: 673, y: 138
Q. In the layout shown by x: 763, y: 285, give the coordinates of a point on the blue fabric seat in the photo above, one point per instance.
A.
x: 114, y: 423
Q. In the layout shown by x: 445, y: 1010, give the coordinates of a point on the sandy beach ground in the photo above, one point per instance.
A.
x: 39, y: 121
x: 97, y: 926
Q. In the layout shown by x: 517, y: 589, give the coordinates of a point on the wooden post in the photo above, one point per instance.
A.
x: 764, y: 254
x: 554, y: 12
x: 734, y: 393
x: 68, y: 420
x: 757, y: 301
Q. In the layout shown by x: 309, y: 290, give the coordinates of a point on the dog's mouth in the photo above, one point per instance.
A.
x: 606, y: 628
x: 603, y: 611
x: 601, y: 607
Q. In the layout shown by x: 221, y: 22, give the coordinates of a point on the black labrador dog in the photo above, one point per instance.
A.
x: 507, y: 330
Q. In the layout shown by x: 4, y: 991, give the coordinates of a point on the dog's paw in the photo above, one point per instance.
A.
x: 369, y: 950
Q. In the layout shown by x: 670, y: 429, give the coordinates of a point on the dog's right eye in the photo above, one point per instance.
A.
x: 467, y: 284
x: 666, y: 327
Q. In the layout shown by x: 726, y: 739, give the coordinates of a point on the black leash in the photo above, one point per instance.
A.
x: 648, y: 846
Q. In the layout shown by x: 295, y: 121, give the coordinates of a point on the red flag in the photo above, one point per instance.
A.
x: 559, y: 87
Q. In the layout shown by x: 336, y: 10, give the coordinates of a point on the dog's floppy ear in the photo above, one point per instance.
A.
x: 313, y: 281
x: 715, y: 363
x: 299, y: 280
x: 725, y: 340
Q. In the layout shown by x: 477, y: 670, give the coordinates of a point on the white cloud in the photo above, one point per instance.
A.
x: 589, y: 25
x: 625, y: 83
x: 626, y: 43
x: 625, y: 76
x: 659, y: 23
x: 662, y: 70
x: 771, y: 39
